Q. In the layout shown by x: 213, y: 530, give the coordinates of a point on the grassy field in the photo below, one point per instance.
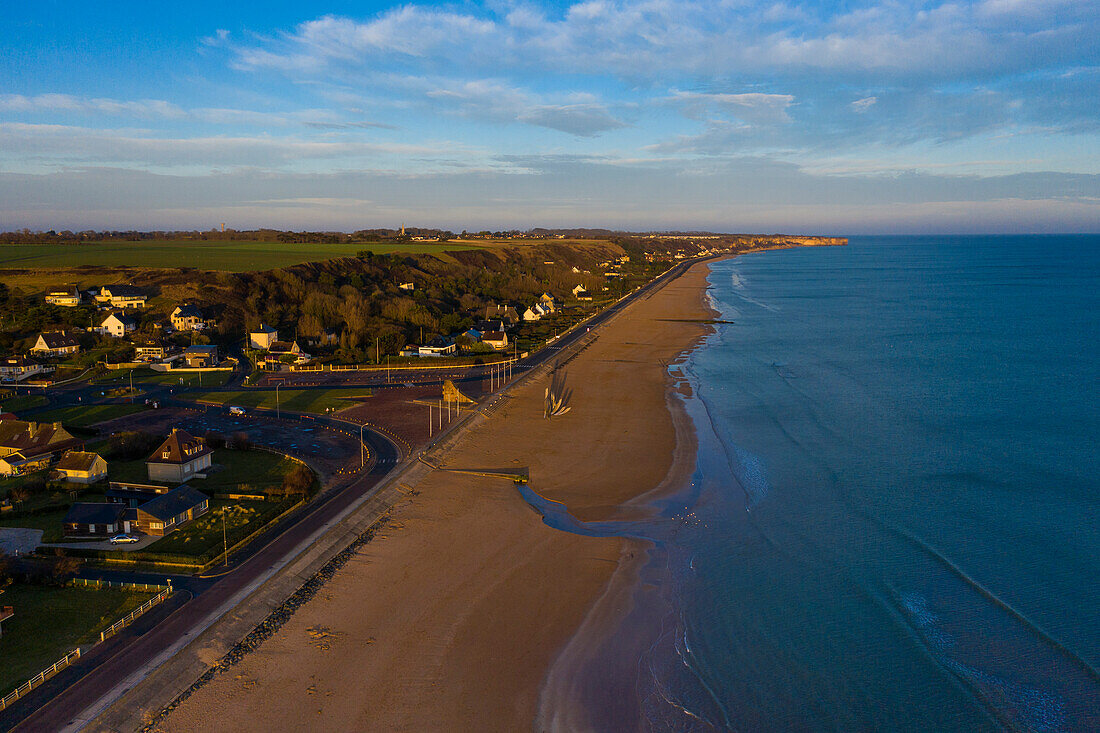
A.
x: 121, y: 377
x: 51, y: 621
x: 295, y: 400
x: 49, y: 522
x: 203, y: 537
x: 82, y: 416
x: 207, y: 255
x: 23, y: 402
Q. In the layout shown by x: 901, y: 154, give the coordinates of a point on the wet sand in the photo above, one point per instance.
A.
x: 453, y: 617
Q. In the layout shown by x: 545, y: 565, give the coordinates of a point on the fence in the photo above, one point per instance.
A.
x: 39, y: 678
x: 129, y: 618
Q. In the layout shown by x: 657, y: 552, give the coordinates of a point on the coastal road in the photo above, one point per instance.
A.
x: 89, y: 683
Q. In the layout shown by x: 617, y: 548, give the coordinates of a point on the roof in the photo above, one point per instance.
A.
x: 66, y: 290
x: 264, y: 328
x: 88, y: 513
x: 117, y: 291
x: 188, y: 310
x: 494, y: 336
x: 77, y: 461
x: 286, y: 347
x: 18, y: 361
x: 59, y: 339
x: 180, y: 447
x: 174, y: 503
x: 32, y: 438
x: 122, y: 318
x: 201, y: 350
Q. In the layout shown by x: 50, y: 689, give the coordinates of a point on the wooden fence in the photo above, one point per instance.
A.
x: 39, y: 678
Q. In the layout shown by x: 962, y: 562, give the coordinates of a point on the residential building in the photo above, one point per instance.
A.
x: 496, y: 339
x: 473, y: 334
x: 133, y: 495
x: 67, y: 296
x: 16, y: 368
x: 122, y: 296
x: 188, y: 317
x: 407, y: 286
x: 27, y: 446
x: 505, y: 313
x: 280, y: 349
x: 531, y: 315
x: 56, y: 343
x: 149, y: 350
x: 86, y: 519
x: 168, y: 512
x: 438, y: 347
x: 117, y: 324
x: 546, y: 300
x: 200, y: 357
x: 79, y: 467
x: 581, y: 293
x: 263, y: 337
x: 178, y: 458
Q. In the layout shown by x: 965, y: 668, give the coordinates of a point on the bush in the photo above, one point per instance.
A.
x: 214, y: 439
x: 130, y: 445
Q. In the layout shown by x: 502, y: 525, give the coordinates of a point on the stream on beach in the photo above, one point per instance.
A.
x: 892, y: 522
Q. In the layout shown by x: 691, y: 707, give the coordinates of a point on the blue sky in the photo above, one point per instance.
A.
x: 737, y: 115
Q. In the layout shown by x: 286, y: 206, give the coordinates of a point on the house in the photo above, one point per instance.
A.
x: 66, y: 296
x: 473, y: 334
x: 542, y: 310
x: 262, y: 338
x: 438, y: 347
x: 531, y: 315
x: 122, y: 296
x: 409, y: 350
x: 407, y: 286
x: 79, y: 467
x: 149, y: 350
x: 327, y: 338
x: 188, y: 317
x: 505, y: 313
x: 170, y: 511
x: 118, y: 324
x: 178, y: 458
x: 27, y: 446
x: 86, y: 519
x: 546, y: 300
x: 15, y: 368
x: 496, y: 339
x: 56, y: 343
x: 581, y: 293
x: 200, y: 357
x: 290, y: 349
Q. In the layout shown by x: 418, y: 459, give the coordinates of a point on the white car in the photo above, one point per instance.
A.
x: 236, y: 410
x: 123, y: 539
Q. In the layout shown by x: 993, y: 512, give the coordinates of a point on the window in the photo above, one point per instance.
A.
x: 156, y: 525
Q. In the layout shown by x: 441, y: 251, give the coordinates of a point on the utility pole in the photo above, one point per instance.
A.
x: 278, y: 414
x: 362, y: 458
x: 440, y: 413
x: 131, y: 386
x: 225, y: 544
x: 377, y: 358
x: 430, y: 423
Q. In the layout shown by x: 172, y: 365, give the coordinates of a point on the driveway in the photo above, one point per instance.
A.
x: 143, y: 542
x: 19, y: 541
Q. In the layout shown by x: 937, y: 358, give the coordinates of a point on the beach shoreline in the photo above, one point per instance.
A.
x: 457, y: 615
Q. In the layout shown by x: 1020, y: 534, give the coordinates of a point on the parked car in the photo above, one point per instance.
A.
x: 123, y: 539
x: 236, y: 410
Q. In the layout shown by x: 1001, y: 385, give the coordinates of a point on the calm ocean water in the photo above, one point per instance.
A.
x: 894, y: 522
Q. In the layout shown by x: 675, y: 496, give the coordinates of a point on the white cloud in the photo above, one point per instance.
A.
x: 862, y: 105
x: 751, y: 107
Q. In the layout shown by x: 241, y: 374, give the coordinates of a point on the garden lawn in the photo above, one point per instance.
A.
x: 202, y: 538
x: 295, y: 400
x: 49, y: 622
x: 51, y: 523
x: 245, y: 472
x: 121, y: 377
x: 82, y: 416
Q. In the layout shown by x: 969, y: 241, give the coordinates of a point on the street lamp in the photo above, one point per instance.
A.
x: 362, y: 457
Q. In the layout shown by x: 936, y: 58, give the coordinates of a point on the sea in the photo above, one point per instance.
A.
x: 894, y: 519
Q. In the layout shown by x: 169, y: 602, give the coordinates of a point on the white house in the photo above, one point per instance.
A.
x: 56, y: 343
x: 20, y: 367
x: 407, y: 286
x: 581, y: 293
x: 495, y: 339
x: 118, y: 324
x: 531, y: 315
x: 263, y: 337
x: 68, y: 296
x: 178, y: 458
x: 438, y: 347
x: 122, y: 296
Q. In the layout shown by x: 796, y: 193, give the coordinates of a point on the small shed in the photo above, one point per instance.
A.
x: 81, y: 467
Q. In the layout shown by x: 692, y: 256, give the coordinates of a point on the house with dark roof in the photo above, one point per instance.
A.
x: 133, y: 495
x: 289, y: 349
x: 495, y: 339
x: 16, y: 368
x: 27, y: 446
x: 95, y: 520
x: 200, y: 357
x: 117, y: 324
x: 178, y: 458
x: 150, y: 349
x: 170, y: 511
x: 505, y: 313
x: 122, y: 296
x: 56, y: 343
x: 80, y: 467
x: 263, y: 337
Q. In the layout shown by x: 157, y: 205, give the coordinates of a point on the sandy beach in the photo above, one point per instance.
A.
x: 453, y: 617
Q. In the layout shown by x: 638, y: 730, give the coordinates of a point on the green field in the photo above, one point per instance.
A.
x: 81, y: 416
x: 121, y: 377
x: 23, y: 402
x: 51, y: 621
x: 202, y: 538
x: 207, y: 255
x: 259, y: 469
x: 295, y: 400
